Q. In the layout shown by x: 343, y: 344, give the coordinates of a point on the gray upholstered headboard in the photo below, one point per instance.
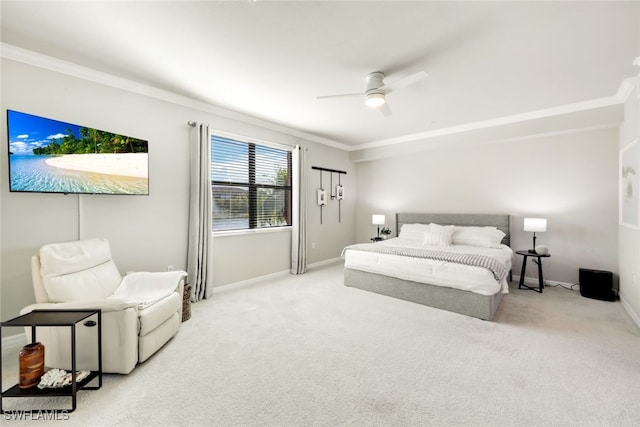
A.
x: 502, y: 222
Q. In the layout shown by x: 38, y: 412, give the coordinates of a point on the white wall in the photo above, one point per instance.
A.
x: 338, y: 219
x: 629, y: 238
x: 145, y: 232
x: 324, y: 240
x: 570, y: 179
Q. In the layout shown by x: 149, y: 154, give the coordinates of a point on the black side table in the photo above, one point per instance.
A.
x: 376, y: 239
x: 537, y: 260
x: 60, y: 318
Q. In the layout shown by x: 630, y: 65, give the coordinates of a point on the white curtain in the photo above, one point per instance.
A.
x: 199, y: 258
x: 299, y: 220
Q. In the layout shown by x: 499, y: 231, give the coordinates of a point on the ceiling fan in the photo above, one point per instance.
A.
x: 376, y: 90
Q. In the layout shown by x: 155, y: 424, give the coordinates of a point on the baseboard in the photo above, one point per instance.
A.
x: 259, y: 279
x: 242, y: 283
x: 563, y: 284
x: 533, y: 282
x: 634, y: 316
x: 325, y: 262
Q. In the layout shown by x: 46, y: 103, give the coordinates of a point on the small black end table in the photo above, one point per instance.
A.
x: 538, y: 260
x: 58, y: 318
x: 376, y: 239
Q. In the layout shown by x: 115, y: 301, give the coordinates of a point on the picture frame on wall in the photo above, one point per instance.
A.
x: 629, y: 187
x: 321, y: 197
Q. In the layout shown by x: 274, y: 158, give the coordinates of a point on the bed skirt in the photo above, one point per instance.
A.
x: 450, y: 299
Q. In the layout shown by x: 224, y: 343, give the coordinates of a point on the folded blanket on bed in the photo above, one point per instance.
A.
x: 498, y: 269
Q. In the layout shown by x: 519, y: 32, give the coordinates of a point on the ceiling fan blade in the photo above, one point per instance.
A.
x: 409, y: 80
x: 345, y: 95
x: 385, y: 109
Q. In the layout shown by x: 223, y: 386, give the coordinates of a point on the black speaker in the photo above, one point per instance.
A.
x: 597, y: 284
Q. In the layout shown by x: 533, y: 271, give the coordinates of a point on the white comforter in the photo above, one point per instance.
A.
x: 441, y: 273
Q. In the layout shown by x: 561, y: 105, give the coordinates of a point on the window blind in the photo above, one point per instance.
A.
x: 251, y: 185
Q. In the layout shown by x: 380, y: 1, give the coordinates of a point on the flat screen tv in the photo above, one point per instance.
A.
x: 50, y: 156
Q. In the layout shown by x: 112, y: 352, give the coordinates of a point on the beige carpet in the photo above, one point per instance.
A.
x: 307, y: 351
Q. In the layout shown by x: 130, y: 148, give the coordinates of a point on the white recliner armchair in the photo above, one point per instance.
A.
x: 140, y: 311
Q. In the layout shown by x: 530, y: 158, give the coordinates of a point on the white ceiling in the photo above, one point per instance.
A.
x: 486, y: 60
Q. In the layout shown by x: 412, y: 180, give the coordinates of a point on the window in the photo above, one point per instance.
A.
x: 251, y: 185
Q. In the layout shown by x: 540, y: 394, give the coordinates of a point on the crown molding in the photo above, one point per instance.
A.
x: 628, y: 85
x: 626, y: 88
x: 434, y: 144
x: 36, y: 59
x: 500, y: 121
x: 47, y: 62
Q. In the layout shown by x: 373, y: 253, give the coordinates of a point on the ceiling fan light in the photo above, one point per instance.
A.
x: 375, y: 100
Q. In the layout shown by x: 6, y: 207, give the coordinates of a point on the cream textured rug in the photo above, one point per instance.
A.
x: 307, y: 351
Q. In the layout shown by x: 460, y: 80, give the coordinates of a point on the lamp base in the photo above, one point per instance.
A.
x: 532, y: 251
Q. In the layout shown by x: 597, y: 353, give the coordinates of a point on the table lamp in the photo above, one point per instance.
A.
x: 535, y: 225
x: 378, y: 220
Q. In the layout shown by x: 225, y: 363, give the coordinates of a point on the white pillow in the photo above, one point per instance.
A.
x: 414, y: 232
x: 486, y: 237
x: 438, y: 235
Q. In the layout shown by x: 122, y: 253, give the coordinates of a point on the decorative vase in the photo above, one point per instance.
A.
x: 542, y: 250
x: 31, y: 364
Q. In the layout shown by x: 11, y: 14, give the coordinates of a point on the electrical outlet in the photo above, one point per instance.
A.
x: 170, y: 268
x: 313, y: 245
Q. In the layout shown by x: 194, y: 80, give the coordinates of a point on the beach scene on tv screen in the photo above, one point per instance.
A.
x: 47, y: 155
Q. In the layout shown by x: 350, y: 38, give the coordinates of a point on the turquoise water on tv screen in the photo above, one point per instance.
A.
x: 30, y: 173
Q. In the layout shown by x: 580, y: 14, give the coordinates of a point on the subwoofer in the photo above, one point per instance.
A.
x: 597, y: 284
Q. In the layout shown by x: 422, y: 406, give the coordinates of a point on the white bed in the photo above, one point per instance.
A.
x: 440, y: 273
x: 465, y: 289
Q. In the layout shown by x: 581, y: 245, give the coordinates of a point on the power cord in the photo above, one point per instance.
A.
x: 546, y: 283
x: 558, y: 285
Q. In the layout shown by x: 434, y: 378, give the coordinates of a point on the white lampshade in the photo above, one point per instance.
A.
x: 535, y: 224
x: 377, y: 219
x: 374, y: 100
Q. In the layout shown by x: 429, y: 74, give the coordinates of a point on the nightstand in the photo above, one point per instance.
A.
x: 537, y: 258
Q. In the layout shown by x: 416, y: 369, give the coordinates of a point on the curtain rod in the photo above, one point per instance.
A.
x: 224, y: 134
x: 327, y: 170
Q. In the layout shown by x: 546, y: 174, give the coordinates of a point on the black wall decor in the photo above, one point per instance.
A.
x: 339, y: 190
